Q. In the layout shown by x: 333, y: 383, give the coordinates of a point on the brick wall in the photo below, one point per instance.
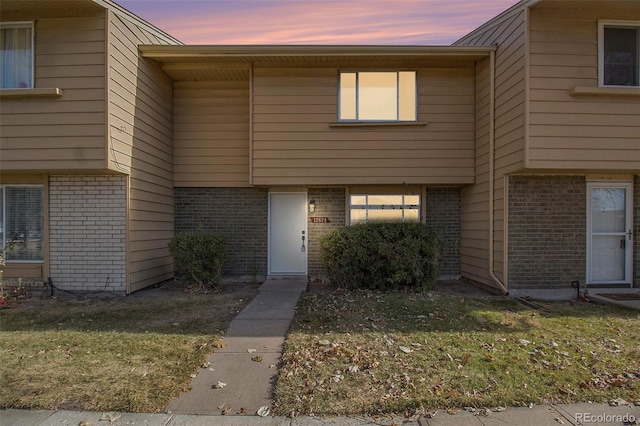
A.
x: 330, y: 202
x: 443, y: 210
x: 547, y: 231
x: 237, y: 214
x: 87, y: 232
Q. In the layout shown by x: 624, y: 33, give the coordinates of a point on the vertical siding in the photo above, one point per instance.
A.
x: 140, y: 144
x: 66, y: 132
x: 577, y: 132
x: 474, y: 250
x: 211, y: 134
x: 295, y: 143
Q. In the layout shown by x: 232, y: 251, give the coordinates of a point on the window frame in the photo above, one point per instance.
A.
x: 3, y: 225
x: 365, y: 71
x: 404, y: 206
x: 602, y: 24
x: 31, y: 26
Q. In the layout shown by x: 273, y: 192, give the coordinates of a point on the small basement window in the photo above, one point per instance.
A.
x: 384, y: 208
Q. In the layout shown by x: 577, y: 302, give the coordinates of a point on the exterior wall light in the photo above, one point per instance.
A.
x: 312, y: 206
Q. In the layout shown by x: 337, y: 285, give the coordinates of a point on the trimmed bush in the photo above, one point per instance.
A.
x: 382, y: 256
x: 199, y: 255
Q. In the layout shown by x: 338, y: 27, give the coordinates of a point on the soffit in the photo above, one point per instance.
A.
x: 594, y: 5
x: 234, y: 62
x: 11, y: 10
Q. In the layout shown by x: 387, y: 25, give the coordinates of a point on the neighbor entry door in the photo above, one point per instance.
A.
x: 610, y: 233
x: 288, y: 239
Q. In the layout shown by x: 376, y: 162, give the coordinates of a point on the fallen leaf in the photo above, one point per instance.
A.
x: 263, y: 411
x: 524, y: 342
x: 257, y: 358
x: 324, y: 342
x: 405, y: 349
x: 110, y: 417
x: 219, y: 385
x: 251, y: 351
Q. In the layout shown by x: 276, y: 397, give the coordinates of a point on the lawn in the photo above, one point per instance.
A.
x: 353, y: 353
x: 130, y: 354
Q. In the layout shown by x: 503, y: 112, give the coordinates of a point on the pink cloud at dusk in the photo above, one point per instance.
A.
x: 385, y: 22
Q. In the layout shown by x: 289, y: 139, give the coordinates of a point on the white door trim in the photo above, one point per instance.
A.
x: 628, y: 235
x: 306, y: 235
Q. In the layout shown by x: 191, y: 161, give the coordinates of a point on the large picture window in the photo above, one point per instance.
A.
x: 22, y: 222
x: 378, y: 96
x: 384, y: 208
x: 619, y: 54
x: 16, y: 55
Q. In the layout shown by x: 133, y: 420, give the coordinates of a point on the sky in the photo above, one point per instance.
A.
x: 377, y: 22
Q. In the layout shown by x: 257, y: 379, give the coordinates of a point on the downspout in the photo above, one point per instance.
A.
x: 492, y: 143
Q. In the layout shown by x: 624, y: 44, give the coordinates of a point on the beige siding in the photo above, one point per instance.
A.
x: 474, y: 250
x: 510, y: 92
x: 294, y: 143
x: 66, y: 132
x: 570, y: 131
x: 211, y: 134
x: 509, y: 33
x: 140, y: 144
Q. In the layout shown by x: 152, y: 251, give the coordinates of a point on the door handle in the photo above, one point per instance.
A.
x: 630, y: 234
x: 303, y: 247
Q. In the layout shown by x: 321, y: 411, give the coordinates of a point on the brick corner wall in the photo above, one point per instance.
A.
x: 87, y: 232
x: 443, y: 212
x: 547, y: 231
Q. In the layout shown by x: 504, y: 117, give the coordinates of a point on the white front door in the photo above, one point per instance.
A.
x: 610, y: 236
x: 288, y: 233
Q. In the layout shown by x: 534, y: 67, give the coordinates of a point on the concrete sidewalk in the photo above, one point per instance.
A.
x: 553, y: 415
x: 238, y: 379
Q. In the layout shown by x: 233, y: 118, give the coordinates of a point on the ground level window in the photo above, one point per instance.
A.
x: 384, y: 208
x: 22, y: 222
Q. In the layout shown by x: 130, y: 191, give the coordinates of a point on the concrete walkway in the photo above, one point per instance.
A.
x: 239, y: 378
x: 542, y: 415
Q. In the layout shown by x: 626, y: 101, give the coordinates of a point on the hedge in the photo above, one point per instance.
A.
x: 382, y: 256
x: 199, y: 255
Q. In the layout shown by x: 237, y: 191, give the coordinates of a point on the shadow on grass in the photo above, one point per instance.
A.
x: 148, y: 311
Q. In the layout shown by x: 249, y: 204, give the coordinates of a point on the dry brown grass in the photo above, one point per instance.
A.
x: 354, y: 353
x: 120, y: 354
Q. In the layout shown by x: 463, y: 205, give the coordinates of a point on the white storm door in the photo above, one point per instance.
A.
x: 288, y: 233
x: 610, y: 236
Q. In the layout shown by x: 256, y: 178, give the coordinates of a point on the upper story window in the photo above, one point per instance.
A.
x: 378, y: 96
x: 16, y: 55
x: 384, y: 208
x: 619, y: 54
x: 22, y: 221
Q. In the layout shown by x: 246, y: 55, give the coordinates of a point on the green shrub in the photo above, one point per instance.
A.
x: 199, y: 255
x: 382, y: 256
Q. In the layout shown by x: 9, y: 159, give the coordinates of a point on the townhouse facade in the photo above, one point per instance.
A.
x: 519, y: 144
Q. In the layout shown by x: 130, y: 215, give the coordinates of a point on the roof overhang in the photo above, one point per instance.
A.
x: 253, y: 53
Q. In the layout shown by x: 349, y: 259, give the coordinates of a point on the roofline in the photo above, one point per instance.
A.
x: 210, y: 51
x: 522, y: 5
x: 109, y: 4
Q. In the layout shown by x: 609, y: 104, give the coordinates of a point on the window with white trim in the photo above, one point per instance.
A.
x: 22, y: 221
x: 16, y: 55
x: 380, y: 96
x: 619, y: 53
x: 384, y: 208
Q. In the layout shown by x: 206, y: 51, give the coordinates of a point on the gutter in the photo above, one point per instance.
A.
x: 492, y: 143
